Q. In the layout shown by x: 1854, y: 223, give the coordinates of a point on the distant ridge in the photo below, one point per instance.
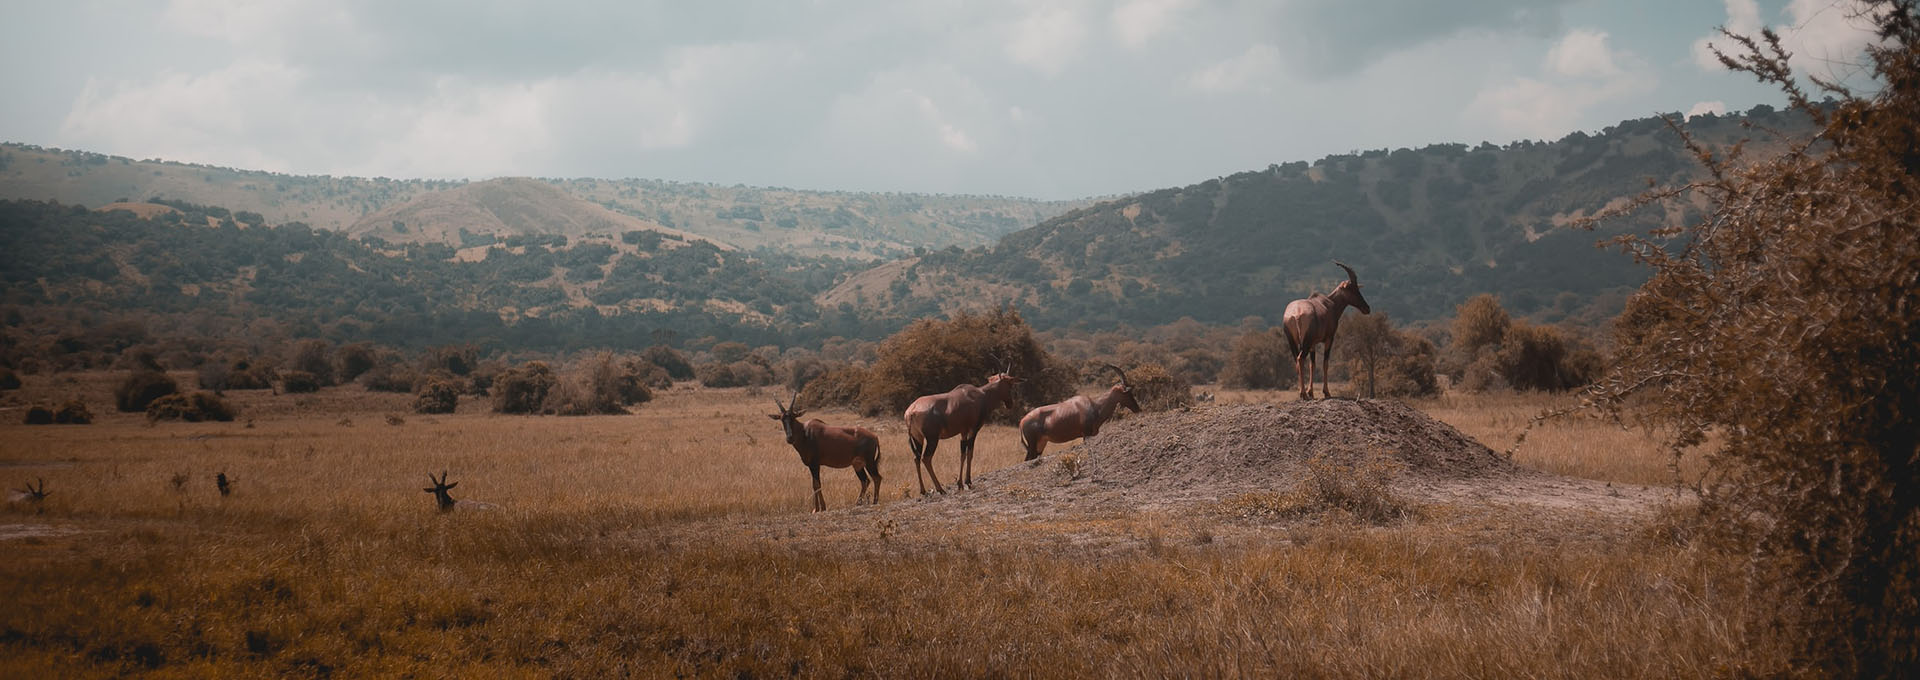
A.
x: 503, y: 207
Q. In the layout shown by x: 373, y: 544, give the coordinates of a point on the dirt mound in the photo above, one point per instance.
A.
x: 1268, y: 445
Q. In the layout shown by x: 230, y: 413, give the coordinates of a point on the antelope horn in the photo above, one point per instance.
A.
x: 1123, y: 374
x: 1355, y: 280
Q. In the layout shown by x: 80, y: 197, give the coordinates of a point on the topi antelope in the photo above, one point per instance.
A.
x: 1312, y: 321
x: 447, y: 502
x: 961, y: 411
x: 1074, y: 418
x: 821, y: 444
x: 30, y: 494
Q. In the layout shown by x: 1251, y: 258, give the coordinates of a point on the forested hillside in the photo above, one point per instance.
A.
x: 854, y: 224
x: 65, y: 268
x: 1425, y: 229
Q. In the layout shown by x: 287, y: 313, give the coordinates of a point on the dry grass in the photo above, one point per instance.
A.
x: 640, y: 544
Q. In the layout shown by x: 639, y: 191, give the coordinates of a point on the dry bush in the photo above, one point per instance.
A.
x: 1200, y: 365
x: 1493, y: 352
x: 1358, y: 487
x: 437, y: 395
x: 389, y: 377
x: 39, y: 415
x: 932, y: 356
x: 523, y: 389
x: 744, y: 373
x: 1259, y: 361
x: 670, y: 360
x: 452, y: 359
x: 8, y: 379
x: 142, y: 387
x: 1410, y: 371
x: 1386, y: 361
x: 603, y: 387
x: 298, y: 382
x: 1158, y: 390
x: 836, y: 386
x: 350, y: 361
x: 192, y: 407
x: 1779, y: 332
x: 313, y: 357
x: 72, y: 412
x: 1543, y: 358
x: 239, y: 375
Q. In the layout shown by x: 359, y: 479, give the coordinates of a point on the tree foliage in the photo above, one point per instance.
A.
x: 1785, y: 324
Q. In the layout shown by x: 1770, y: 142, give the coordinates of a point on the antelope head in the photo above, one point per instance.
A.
x: 33, y: 495
x: 1004, y: 381
x: 1125, y: 390
x: 439, y: 491
x: 789, y: 418
x: 1350, y: 289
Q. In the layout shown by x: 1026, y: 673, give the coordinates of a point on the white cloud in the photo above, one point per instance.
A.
x: 1139, y: 21
x: 1580, y: 73
x: 1251, y: 70
x: 1583, y: 54
x: 216, y: 117
x: 1713, y: 107
x: 1825, y: 37
x: 1047, y: 40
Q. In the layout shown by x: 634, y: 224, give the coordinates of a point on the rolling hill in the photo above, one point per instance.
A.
x: 1425, y: 229
x: 846, y: 224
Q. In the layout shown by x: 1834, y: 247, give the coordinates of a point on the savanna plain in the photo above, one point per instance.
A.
x: 677, y: 542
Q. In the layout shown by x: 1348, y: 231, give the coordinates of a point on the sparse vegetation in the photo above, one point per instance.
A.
x: 142, y: 387
x: 523, y: 389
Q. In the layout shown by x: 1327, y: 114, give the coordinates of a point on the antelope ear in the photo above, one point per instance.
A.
x: 771, y: 416
x: 453, y: 485
x: 427, y: 490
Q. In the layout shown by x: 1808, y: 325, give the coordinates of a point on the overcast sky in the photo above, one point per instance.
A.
x: 1043, y: 99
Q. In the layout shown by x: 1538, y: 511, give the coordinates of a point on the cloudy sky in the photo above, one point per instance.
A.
x: 1048, y: 99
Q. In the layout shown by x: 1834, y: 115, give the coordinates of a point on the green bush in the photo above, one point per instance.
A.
x: 39, y: 415
x: 669, y: 359
x: 389, y: 378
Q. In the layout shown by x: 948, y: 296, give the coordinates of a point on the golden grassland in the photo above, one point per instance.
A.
x: 652, y: 545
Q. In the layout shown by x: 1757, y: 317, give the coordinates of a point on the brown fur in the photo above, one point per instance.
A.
x: 821, y: 444
x: 1312, y: 321
x: 1074, y: 418
x: 961, y: 411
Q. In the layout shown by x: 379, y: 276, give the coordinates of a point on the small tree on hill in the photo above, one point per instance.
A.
x: 932, y: 356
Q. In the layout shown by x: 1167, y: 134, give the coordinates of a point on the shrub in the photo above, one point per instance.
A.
x: 602, y: 387
x: 1542, y: 358
x: 73, y: 412
x: 192, y: 407
x: 837, y: 386
x: 1385, y: 361
x: 736, y: 374
x: 670, y: 360
x: 1778, y: 332
x: 142, y: 387
x: 1260, y: 361
x: 1362, y: 488
x: 313, y: 357
x: 523, y: 389
x: 8, y: 379
x: 39, y: 415
x: 389, y: 378
x: 1158, y: 390
x: 298, y: 382
x: 452, y: 359
x: 240, y: 375
x: 1410, y: 371
x: 353, y: 360
x: 932, y: 356
x: 1479, y: 322
x: 437, y: 395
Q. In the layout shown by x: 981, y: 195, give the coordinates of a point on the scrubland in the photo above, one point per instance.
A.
x: 676, y: 541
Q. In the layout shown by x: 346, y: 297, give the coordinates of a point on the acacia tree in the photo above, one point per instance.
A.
x: 1787, y: 324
